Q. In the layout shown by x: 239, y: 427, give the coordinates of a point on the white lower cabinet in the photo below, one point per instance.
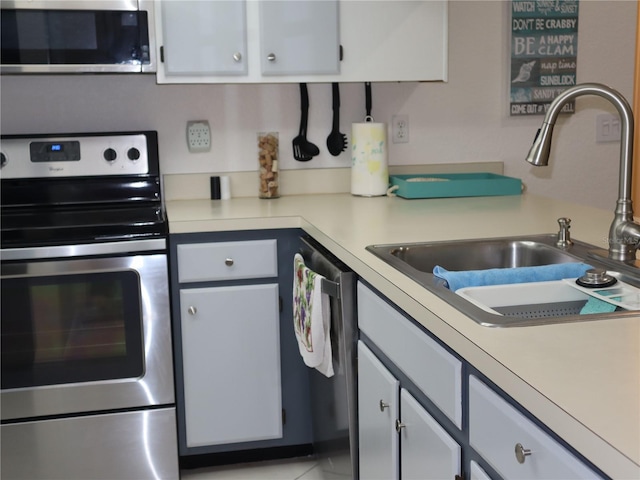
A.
x: 241, y: 384
x: 398, y: 438
x: 426, y: 450
x: 476, y: 472
x: 496, y: 438
x: 378, y: 409
x: 231, y: 364
x: 433, y: 370
x: 513, y: 445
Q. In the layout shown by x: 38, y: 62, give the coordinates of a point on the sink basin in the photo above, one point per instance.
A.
x: 479, y: 254
x: 417, y: 260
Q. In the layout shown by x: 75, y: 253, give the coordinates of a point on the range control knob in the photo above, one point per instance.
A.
x: 133, y: 154
x: 109, y: 154
x: 3, y: 160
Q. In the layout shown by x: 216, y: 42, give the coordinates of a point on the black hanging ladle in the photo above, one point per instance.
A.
x: 303, y: 149
x: 336, y: 141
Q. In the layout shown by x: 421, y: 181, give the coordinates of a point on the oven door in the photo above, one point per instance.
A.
x: 85, y: 335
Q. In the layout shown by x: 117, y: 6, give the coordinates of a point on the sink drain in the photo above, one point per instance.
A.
x: 596, y: 278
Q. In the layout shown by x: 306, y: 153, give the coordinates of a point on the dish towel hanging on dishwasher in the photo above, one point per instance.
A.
x: 312, y: 318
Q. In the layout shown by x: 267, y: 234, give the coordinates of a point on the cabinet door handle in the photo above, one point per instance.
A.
x: 237, y: 57
x: 521, y: 453
x: 271, y: 57
x: 399, y: 425
x: 192, y: 310
x: 383, y: 406
x: 228, y: 262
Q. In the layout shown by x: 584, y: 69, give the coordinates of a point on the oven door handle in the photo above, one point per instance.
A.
x: 90, y: 249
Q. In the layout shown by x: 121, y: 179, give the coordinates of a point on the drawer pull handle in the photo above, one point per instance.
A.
x: 228, y: 262
x: 383, y: 406
x: 399, y: 425
x: 521, y: 453
x: 192, y: 310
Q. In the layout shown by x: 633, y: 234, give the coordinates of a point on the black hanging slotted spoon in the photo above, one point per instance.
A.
x: 336, y: 141
x: 303, y: 150
x: 368, y: 102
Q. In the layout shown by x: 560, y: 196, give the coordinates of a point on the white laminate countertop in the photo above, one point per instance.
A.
x: 580, y: 379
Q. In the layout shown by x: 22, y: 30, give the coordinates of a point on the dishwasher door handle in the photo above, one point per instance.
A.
x: 330, y: 288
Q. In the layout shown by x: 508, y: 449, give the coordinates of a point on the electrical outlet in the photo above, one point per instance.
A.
x: 198, y: 136
x: 400, y: 129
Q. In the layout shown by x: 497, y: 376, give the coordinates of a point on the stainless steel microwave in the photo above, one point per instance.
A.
x: 69, y: 36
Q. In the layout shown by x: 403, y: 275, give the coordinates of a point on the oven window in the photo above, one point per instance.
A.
x: 71, y: 328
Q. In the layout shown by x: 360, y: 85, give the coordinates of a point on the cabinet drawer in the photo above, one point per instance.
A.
x: 434, y: 371
x: 202, y: 262
x: 495, y: 430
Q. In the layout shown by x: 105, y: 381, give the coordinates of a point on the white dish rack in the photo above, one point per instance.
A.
x: 548, y: 299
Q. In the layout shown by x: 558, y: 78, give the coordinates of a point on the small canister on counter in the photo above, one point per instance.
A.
x: 268, y: 144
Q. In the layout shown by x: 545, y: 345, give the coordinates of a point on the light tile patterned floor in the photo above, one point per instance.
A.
x: 305, y: 468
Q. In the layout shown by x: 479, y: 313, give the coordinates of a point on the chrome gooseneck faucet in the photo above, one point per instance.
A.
x: 624, y: 233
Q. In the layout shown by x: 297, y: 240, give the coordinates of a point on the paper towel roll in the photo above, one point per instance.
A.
x: 369, y: 169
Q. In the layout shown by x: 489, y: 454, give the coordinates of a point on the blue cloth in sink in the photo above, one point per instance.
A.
x: 500, y: 276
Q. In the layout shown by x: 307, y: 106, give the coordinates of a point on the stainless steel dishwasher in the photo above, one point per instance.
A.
x: 334, y: 400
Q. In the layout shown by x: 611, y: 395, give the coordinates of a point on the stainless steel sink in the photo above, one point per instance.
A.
x: 417, y: 260
x: 479, y: 254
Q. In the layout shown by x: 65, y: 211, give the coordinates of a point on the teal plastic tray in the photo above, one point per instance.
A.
x: 442, y: 185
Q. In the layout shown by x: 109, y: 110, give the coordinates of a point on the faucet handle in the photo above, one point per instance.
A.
x: 564, y: 238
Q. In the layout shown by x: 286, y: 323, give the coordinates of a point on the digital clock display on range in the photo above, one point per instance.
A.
x: 66, y: 151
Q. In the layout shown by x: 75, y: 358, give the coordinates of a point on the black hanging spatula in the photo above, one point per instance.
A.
x: 304, y: 150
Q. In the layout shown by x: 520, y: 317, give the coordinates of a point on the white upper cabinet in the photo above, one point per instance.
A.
x: 280, y: 41
x: 204, y: 38
x: 299, y: 38
x: 393, y: 40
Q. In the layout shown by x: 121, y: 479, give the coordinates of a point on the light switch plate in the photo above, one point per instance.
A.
x: 607, y: 128
x: 198, y: 136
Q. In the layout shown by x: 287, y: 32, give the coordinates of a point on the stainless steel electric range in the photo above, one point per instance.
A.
x: 87, y: 377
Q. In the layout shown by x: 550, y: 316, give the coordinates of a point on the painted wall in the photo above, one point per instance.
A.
x: 463, y: 120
